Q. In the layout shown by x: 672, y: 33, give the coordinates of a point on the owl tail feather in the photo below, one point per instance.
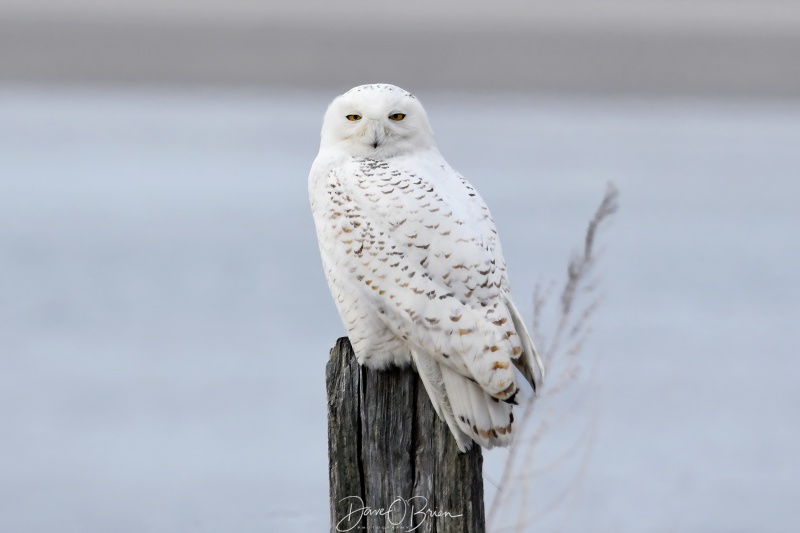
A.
x: 430, y: 372
x: 480, y: 416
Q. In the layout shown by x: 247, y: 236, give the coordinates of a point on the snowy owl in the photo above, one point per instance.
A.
x: 413, y: 261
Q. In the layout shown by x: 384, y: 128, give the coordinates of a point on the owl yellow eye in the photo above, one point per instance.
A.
x: 353, y: 118
x: 397, y: 116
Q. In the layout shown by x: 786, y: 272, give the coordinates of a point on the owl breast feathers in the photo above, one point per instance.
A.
x: 414, y: 263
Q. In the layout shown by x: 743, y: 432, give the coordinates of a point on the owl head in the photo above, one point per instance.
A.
x: 376, y: 121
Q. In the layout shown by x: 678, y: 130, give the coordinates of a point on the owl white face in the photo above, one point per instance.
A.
x: 376, y: 121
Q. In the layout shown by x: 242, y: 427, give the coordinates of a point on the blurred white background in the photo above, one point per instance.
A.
x: 164, y: 321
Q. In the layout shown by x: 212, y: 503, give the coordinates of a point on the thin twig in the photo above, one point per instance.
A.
x: 571, y: 326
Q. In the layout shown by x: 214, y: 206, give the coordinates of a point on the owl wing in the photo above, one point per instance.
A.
x: 422, y: 249
x: 412, y: 248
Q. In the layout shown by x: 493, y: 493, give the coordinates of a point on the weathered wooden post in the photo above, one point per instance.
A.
x: 393, y: 464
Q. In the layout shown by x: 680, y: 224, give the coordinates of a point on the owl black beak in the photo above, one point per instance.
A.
x: 376, y: 132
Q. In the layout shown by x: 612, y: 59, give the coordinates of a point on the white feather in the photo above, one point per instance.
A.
x: 430, y: 374
x: 484, y: 419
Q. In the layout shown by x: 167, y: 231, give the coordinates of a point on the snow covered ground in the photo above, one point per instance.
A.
x: 164, y: 321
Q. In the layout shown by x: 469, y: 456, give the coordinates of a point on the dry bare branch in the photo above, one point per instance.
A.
x: 571, y: 328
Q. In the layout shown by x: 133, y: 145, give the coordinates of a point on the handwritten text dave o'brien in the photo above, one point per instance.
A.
x: 416, y: 507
